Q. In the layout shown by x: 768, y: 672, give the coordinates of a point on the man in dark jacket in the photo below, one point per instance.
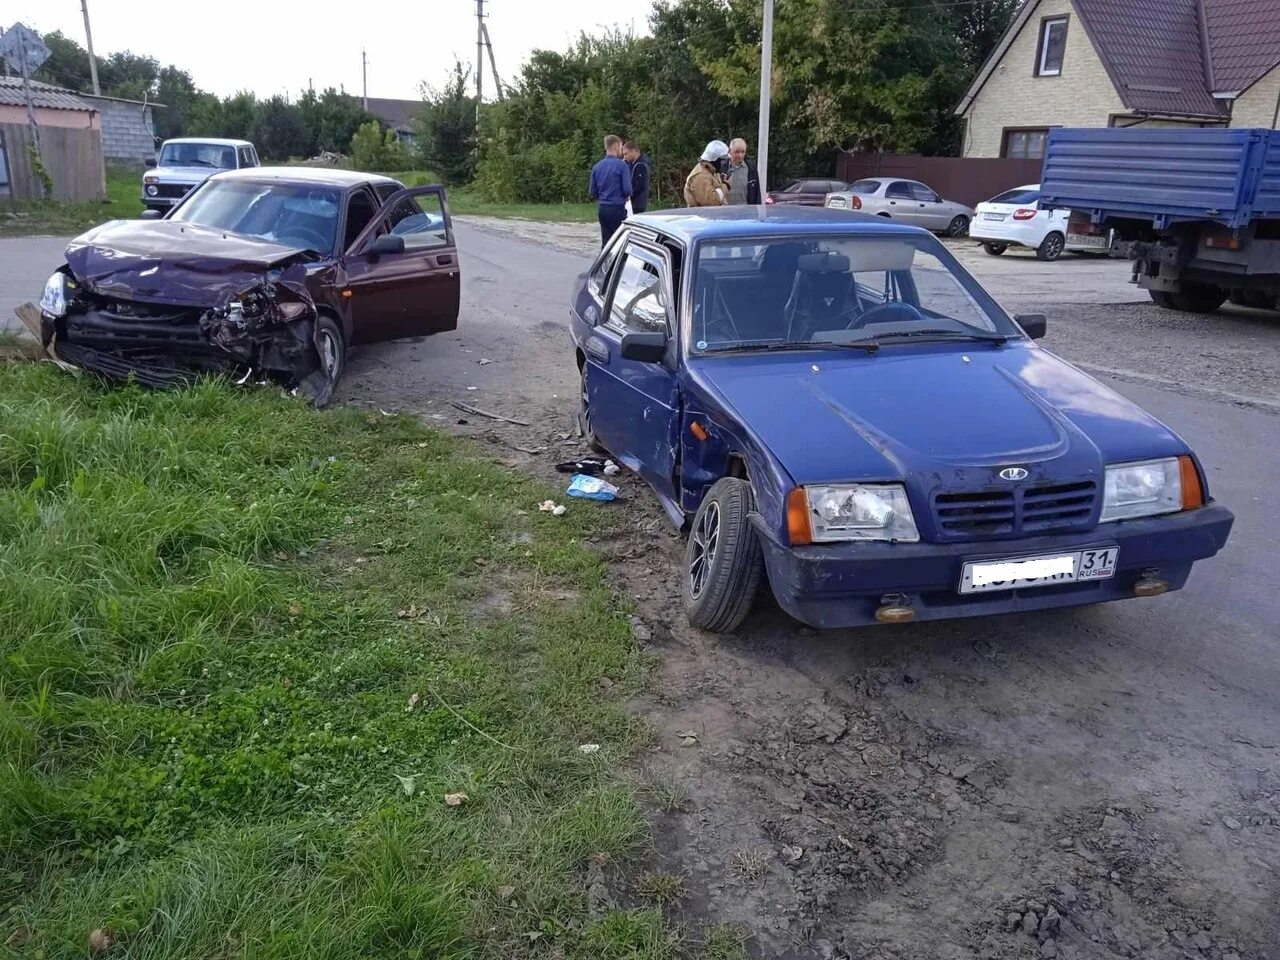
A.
x: 744, y: 179
x: 610, y: 187
x: 639, y: 164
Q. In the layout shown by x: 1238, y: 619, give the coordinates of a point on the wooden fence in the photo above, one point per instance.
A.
x: 968, y: 180
x: 72, y: 157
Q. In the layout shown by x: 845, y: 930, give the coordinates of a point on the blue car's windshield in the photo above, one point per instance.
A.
x: 294, y: 215
x: 831, y: 290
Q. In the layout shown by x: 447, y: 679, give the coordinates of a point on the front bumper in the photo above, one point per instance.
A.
x: 842, y: 585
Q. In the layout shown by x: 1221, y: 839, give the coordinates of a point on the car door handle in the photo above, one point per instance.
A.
x: 598, y: 349
x: 443, y: 260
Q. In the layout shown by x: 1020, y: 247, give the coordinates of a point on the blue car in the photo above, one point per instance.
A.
x: 831, y: 403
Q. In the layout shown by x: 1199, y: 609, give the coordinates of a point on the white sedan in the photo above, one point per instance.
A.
x: 1014, y: 219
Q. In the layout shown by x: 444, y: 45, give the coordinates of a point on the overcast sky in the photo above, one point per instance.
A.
x: 272, y: 47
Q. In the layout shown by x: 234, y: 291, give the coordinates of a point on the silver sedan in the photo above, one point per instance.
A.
x: 907, y: 200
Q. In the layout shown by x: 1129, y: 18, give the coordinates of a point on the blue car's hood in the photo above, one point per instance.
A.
x: 933, y: 414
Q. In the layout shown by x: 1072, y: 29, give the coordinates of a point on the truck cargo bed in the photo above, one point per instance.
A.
x: 1164, y: 174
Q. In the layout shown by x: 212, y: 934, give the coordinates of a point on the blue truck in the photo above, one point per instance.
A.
x: 1197, y: 211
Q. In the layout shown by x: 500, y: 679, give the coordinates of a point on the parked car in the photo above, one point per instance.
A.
x: 907, y: 200
x: 1016, y: 219
x: 263, y: 271
x: 831, y: 401
x: 806, y: 193
x: 185, y: 162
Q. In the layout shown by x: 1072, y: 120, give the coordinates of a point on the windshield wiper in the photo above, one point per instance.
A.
x: 946, y: 335
x: 870, y: 346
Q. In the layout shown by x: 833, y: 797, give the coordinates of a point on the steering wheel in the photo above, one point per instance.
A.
x: 886, y: 313
x: 312, y: 238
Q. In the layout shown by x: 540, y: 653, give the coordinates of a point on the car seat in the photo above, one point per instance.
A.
x: 819, y: 294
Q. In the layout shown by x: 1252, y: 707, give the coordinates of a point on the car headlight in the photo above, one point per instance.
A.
x: 860, y: 511
x: 152, y: 189
x: 1142, y: 489
x: 54, y: 299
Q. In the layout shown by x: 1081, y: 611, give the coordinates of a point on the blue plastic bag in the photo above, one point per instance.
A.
x: 591, y: 488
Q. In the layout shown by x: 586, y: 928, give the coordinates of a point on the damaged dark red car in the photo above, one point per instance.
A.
x: 258, y: 273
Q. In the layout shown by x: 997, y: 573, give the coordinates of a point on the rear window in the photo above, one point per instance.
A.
x: 1017, y: 196
x: 865, y: 186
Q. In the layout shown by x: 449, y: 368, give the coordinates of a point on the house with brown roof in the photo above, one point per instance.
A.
x: 396, y: 114
x: 70, y: 134
x: 1120, y: 63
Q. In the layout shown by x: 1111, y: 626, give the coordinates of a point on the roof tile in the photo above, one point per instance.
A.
x: 42, y: 95
x: 1244, y: 40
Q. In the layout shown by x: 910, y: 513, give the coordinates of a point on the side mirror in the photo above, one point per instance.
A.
x: 151, y: 214
x: 388, y: 243
x: 150, y: 161
x: 1033, y: 325
x: 644, y: 347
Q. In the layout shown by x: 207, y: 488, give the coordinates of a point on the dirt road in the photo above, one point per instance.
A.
x: 1097, y: 783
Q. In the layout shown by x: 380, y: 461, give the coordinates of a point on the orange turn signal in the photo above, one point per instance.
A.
x: 346, y: 294
x: 698, y: 430
x: 1192, y: 494
x: 798, y: 528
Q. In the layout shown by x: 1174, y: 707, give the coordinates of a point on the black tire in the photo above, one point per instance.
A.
x: 722, y: 561
x: 331, y: 349
x: 958, y: 227
x: 584, y: 414
x: 1199, y: 297
x: 1162, y: 298
x: 995, y: 249
x: 1051, y: 247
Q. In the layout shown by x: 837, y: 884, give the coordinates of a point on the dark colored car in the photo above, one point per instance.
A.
x: 257, y: 272
x: 806, y: 193
x: 830, y: 400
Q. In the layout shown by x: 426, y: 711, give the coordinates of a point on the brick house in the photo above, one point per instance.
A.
x: 1099, y: 63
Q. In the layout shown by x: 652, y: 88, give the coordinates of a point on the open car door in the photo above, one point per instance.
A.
x: 402, y: 270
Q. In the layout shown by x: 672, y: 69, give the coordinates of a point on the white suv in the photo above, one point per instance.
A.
x: 187, y: 162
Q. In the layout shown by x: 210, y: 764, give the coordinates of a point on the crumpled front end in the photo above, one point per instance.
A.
x: 261, y: 327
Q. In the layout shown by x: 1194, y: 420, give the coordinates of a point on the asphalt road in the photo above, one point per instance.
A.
x: 933, y: 790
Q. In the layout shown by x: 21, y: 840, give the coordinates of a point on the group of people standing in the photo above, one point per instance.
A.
x: 620, y: 180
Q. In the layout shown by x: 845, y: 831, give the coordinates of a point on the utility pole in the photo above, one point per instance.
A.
x: 766, y: 89
x: 364, y: 79
x: 479, y: 57
x: 493, y: 66
x: 88, y: 42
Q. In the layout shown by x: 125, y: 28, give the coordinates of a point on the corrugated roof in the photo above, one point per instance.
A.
x: 1244, y: 40
x: 42, y: 95
x: 1154, y: 51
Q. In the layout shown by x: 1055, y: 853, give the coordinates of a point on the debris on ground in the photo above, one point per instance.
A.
x: 589, y: 748
x: 591, y: 466
x: 455, y: 799
x: 553, y: 508
x: 591, y: 488
x: 476, y: 411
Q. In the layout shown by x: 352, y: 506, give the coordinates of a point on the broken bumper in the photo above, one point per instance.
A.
x: 842, y: 585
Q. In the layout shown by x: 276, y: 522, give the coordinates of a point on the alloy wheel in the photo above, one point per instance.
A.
x: 705, y: 540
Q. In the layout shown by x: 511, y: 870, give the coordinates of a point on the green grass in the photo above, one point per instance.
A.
x: 56, y: 218
x: 246, y: 649
x: 467, y: 202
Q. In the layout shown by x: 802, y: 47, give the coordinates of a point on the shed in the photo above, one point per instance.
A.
x: 128, y: 127
x: 70, y: 141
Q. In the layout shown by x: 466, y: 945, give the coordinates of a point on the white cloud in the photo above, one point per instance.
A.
x: 271, y: 47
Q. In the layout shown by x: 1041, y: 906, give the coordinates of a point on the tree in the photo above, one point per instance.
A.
x: 331, y: 120
x: 446, y: 128
x: 278, y: 130
x: 377, y: 151
x: 980, y: 24
x: 176, y: 90
x: 68, y: 63
x: 237, y: 116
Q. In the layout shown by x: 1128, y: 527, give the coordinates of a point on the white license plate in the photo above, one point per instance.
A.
x: 985, y: 576
x: 837, y: 203
x: 1085, y: 240
x: 993, y: 216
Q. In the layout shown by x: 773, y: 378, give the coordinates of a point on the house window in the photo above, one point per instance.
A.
x: 1053, y: 44
x: 1024, y: 144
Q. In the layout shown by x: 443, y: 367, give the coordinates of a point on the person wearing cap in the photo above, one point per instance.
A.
x: 705, y: 187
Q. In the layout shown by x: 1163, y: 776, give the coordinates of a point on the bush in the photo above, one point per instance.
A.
x: 542, y: 173
x: 373, y: 150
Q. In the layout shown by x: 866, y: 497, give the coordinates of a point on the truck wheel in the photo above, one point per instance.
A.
x: 1051, y: 247
x: 1162, y: 298
x: 722, y: 559
x: 1199, y: 297
x: 995, y: 249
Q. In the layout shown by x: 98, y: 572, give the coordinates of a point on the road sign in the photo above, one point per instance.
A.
x: 22, y: 48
